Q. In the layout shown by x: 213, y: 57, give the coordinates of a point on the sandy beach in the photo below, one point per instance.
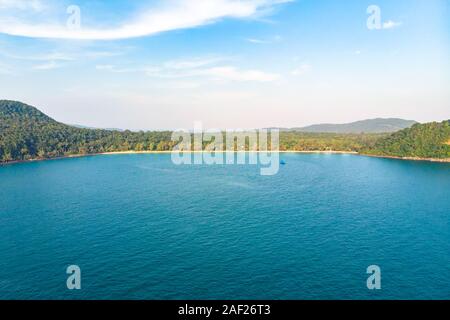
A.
x: 203, y: 151
x: 445, y: 160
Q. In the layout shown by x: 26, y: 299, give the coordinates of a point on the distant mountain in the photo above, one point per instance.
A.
x: 365, y: 126
x: 86, y: 127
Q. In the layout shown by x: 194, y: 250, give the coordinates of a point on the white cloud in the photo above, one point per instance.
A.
x: 206, y: 68
x: 112, y: 68
x: 172, y: 15
x: 52, y: 56
x: 235, y: 74
x: 58, y: 56
x: 304, y: 68
x: 258, y: 41
x: 192, y: 64
x: 47, y: 66
x: 264, y: 41
x: 35, y: 5
x: 391, y: 24
x: 5, y: 70
x: 107, y: 67
x: 101, y: 54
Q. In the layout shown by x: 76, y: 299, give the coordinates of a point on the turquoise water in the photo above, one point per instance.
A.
x: 140, y: 227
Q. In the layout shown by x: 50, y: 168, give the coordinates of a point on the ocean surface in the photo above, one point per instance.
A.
x: 140, y: 227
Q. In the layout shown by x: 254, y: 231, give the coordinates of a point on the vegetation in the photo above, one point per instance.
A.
x: 26, y: 133
x: 303, y: 141
x: 430, y: 140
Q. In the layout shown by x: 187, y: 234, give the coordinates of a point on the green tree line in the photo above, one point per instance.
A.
x: 26, y: 133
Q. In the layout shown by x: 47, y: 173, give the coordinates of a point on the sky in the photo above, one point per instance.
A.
x: 154, y: 65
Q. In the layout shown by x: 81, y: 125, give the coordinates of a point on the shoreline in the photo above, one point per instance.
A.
x: 240, y: 151
x: 435, y: 160
x: 443, y: 160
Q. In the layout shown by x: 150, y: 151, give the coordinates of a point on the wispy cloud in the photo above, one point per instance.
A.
x: 193, y: 63
x: 170, y: 15
x: 47, y: 66
x: 208, y: 68
x: 112, y: 68
x: 35, y: 5
x: 391, y: 24
x: 52, y: 56
x: 301, y: 70
x: 264, y: 41
x: 5, y: 69
x: 60, y: 55
x: 235, y: 74
x: 101, y: 54
x: 257, y: 41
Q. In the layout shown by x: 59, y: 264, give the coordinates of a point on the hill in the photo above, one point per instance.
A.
x: 429, y: 140
x: 26, y: 133
x: 379, y: 125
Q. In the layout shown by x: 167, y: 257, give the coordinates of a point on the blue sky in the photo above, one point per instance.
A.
x: 227, y: 63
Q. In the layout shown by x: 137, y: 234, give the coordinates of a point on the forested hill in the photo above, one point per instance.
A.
x: 26, y: 133
x: 13, y: 112
x: 429, y: 140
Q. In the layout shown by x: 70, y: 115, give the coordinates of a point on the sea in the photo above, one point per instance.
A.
x: 139, y: 226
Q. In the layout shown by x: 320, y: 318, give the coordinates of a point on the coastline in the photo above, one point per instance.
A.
x: 240, y: 151
x: 443, y: 160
